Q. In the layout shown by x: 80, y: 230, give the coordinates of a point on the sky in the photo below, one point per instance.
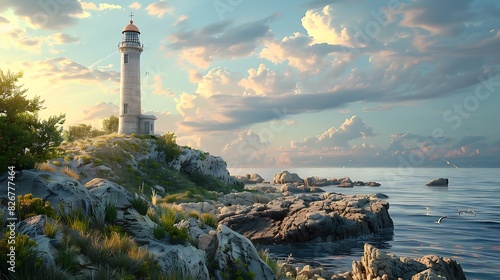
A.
x: 339, y: 83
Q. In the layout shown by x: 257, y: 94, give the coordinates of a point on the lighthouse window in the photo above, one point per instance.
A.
x: 125, y: 58
x: 130, y: 37
x: 125, y: 108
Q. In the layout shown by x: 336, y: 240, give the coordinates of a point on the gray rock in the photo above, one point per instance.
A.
x: 57, y: 188
x: 286, y: 177
x: 375, y: 264
x: 229, y: 248
x: 326, y: 217
x: 442, y: 182
x: 250, y: 178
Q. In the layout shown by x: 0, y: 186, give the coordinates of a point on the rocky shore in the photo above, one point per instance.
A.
x: 291, y: 210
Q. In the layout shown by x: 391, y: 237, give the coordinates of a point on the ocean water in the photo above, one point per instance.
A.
x: 473, y: 241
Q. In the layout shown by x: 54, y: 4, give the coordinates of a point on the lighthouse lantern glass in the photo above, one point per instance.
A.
x: 129, y: 36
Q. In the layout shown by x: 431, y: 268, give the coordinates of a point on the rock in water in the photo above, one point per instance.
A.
x: 286, y: 177
x: 441, y: 182
x: 305, y: 217
x: 377, y: 265
x: 230, y: 250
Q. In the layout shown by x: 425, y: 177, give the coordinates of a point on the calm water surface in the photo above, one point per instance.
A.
x: 473, y: 241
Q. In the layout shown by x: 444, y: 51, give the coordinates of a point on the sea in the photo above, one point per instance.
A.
x: 473, y: 241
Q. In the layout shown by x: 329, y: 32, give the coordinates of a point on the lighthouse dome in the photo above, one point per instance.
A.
x: 131, y: 27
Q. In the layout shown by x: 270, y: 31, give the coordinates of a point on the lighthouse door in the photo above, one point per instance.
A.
x: 146, y: 127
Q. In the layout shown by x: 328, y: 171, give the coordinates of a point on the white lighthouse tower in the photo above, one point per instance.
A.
x: 131, y: 121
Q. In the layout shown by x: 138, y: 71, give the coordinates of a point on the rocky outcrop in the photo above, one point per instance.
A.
x: 378, y: 265
x: 341, y: 182
x: 441, y: 182
x: 196, y: 162
x: 233, y: 255
x: 56, y: 188
x: 286, y: 177
x: 250, y: 178
x: 326, y: 217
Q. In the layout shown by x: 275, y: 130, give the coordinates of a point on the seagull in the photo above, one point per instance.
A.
x: 440, y: 219
x: 452, y: 164
x: 460, y: 212
x: 147, y: 74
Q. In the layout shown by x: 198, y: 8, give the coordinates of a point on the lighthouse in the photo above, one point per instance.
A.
x: 131, y: 121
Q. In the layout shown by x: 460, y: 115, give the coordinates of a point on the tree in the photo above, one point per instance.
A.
x: 168, y: 145
x: 81, y: 131
x: 24, y: 138
x: 110, y: 125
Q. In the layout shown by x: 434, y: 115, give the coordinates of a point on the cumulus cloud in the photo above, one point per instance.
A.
x: 159, y: 9
x: 320, y: 26
x: 264, y: 81
x: 333, y: 138
x: 246, y: 148
x: 158, y: 88
x: 135, y: 6
x: 54, y: 15
x: 201, y: 46
x: 180, y: 20
x: 219, y: 81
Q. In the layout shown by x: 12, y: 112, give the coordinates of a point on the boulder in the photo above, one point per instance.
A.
x: 196, y: 162
x: 326, y: 217
x: 441, y: 182
x: 378, y: 265
x: 286, y: 177
x: 57, y: 188
x: 232, y: 253
x: 250, y: 178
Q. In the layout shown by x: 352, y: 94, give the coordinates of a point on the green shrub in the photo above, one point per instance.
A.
x: 178, y: 235
x: 110, y: 211
x: 28, y: 206
x: 159, y: 232
x: 237, y: 271
x: 140, y: 204
x: 209, y: 219
x: 25, y: 252
x: 67, y: 258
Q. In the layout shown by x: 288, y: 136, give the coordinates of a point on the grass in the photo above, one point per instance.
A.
x: 140, y: 204
x: 209, y: 219
x: 44, y: 166
x: 50, y: 228
x: 70, y: 172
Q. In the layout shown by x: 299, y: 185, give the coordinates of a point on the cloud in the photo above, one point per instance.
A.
x: 135, y: 6
x: 227, y: 112
x: 320, y: 26
x: 246, y: 148
x: 180, y: 20
x: 3, y: 20
x: 100, y: 111
x: 159, y: 9
x: 264, y: 81
x: 62, y: 68
x: 61, y: 38
x: 102, y: 6
x: 53, y: 15
x: 334, y: 138
x: 158, y: 87
x: 219, y: 81
x: 201, y: 46
x: 446, y: 17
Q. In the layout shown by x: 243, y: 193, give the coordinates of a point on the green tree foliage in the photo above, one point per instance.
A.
x: 110, y: 125
x: 81, y: 131
x: 168, y: 145
x: 24, y: 138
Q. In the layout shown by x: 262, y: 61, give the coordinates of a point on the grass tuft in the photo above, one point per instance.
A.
x: 70, y: 172
x: 44, y: 166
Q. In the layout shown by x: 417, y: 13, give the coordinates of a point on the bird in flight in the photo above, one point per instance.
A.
x: 452, y: 164
x: 460, y: 212
x: 440, y: 219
